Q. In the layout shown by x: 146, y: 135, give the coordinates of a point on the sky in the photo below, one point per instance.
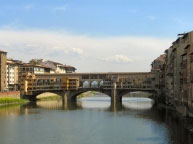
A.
x: 93, y: 35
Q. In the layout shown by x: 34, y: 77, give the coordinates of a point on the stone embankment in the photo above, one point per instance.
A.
x: 13, y: 97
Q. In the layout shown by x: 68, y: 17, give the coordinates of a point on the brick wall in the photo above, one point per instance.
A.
x: 14, y: 94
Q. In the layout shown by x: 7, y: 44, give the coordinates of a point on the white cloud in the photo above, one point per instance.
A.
x: 84, y: 52
x: 118, y: 59
x: 77, y: 51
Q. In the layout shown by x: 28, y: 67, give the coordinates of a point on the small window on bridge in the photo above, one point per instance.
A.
x: 94, y: 77
x: 85, y: 77
x: 102, y: 77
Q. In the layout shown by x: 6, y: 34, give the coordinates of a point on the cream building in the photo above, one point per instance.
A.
x: 12, y: 67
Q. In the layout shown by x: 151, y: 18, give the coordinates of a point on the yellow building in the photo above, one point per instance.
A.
x: 31, y: 83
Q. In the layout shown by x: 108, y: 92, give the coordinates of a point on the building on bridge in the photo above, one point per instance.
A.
x: 32, y: 84
x: 33, y: 69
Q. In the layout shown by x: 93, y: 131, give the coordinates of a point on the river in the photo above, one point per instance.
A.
x: 91, y: 120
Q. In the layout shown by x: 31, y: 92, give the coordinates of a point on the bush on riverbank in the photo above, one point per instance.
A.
x: 55, y: 97
x: 4, y: 101
x: 86, y: 94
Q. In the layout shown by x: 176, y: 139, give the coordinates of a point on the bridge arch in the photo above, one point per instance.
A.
x: 99, y: 101
x: 47, y: 95
x: 36, y: 95
x: 137, y: 93
x: 74, y: 94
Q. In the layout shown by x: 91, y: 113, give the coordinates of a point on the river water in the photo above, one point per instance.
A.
x: 91, y: 120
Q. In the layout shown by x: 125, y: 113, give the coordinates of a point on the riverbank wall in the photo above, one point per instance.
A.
x: 12, y: 94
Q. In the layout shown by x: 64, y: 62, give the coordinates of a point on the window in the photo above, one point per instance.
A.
x: 191, y: 57
x: 184, y: 57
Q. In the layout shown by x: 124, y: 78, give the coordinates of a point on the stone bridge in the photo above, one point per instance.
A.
x: 69, y: 86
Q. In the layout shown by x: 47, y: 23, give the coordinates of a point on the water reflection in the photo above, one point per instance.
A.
x: 136, y: 121
x: 137, y: 103
x: 10, y: 110
x: 94, y: 102
x: 54, y: 104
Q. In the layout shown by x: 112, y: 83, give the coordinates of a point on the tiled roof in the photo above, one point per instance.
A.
x: 56, y: 63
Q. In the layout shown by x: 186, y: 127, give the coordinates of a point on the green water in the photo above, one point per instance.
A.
x: 91, y: 120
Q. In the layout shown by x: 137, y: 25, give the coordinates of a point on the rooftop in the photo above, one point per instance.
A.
x: 60, y: 65
x: 34, y: 65
x: 11, y: 61
x: 161, y: 58
x: 54, y: 62
x: 2, y: 51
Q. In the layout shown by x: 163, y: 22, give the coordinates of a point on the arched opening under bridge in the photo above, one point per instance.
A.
x: 48, y: 96
x: 138, y: 100
x: 94, y: 99
x: 47, y: 100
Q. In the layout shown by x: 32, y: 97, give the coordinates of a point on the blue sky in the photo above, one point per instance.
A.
x: 94, y: 20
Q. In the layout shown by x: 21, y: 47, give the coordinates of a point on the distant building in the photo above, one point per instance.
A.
x: 158, y: 66
x: 58, y: 67
x: 3, y: 58
x: 13, y: 70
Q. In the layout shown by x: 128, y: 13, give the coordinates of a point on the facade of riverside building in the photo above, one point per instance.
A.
x: 3, y: 58
x: 177, y: 74
x: 12, y: 74
x: 11, y: 71
x: 158, y: 70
